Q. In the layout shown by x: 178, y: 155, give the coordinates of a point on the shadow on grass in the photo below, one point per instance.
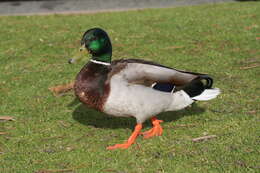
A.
x: 90, y: 117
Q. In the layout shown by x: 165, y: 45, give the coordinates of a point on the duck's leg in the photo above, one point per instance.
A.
x: 155, y: 131
x: 130, y: 140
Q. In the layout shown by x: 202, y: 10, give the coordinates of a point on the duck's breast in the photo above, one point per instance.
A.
x: 91, y: 87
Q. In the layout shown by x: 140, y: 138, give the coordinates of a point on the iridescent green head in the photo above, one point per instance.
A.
x: 98, y: 44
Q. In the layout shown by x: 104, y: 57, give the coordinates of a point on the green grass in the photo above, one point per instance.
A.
x: 59, y: 134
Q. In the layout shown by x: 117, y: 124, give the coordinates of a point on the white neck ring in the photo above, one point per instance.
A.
x: 100, y: 62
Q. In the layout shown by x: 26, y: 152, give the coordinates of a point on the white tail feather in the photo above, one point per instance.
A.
x: 207, y: 94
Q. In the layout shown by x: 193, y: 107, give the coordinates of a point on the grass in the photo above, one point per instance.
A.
x: 57, y: 134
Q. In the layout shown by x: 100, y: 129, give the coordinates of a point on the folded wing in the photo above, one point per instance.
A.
x: 160, y: 77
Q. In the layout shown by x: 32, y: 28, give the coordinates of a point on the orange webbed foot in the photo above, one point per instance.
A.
x: 130, y: 140
x: 155, y: 131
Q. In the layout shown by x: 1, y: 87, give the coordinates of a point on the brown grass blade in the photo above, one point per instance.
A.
x: 249, y: 67
x: 204, y: 138
x: 3, y: 133
x: 56, y: 90
x: 7, y: 118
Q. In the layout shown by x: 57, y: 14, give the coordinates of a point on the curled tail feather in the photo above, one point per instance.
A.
x: 199, y: 90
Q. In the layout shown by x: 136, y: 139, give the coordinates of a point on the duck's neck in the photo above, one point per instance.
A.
x: 104, y: 56
x: 100, y: 62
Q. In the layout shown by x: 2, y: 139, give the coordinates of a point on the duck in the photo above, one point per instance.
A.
x: 135, y: 87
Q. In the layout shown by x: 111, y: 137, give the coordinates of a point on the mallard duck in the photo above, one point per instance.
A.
x: 134, y: 87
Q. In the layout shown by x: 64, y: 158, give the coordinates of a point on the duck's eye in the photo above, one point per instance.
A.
x: 93, y: 38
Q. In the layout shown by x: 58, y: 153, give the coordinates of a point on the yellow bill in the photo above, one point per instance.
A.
x: 79, y: 54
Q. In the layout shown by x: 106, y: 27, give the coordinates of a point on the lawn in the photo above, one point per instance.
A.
x: 58, y: 134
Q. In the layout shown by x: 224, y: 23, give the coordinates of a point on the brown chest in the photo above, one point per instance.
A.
x: 92, y: 87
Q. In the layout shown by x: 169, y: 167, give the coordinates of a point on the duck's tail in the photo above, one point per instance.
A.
x: 207, y: 94
x: 200, y: 89
x: 182, y: 99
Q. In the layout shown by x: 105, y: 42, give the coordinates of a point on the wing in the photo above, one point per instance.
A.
x: 147, y: 73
